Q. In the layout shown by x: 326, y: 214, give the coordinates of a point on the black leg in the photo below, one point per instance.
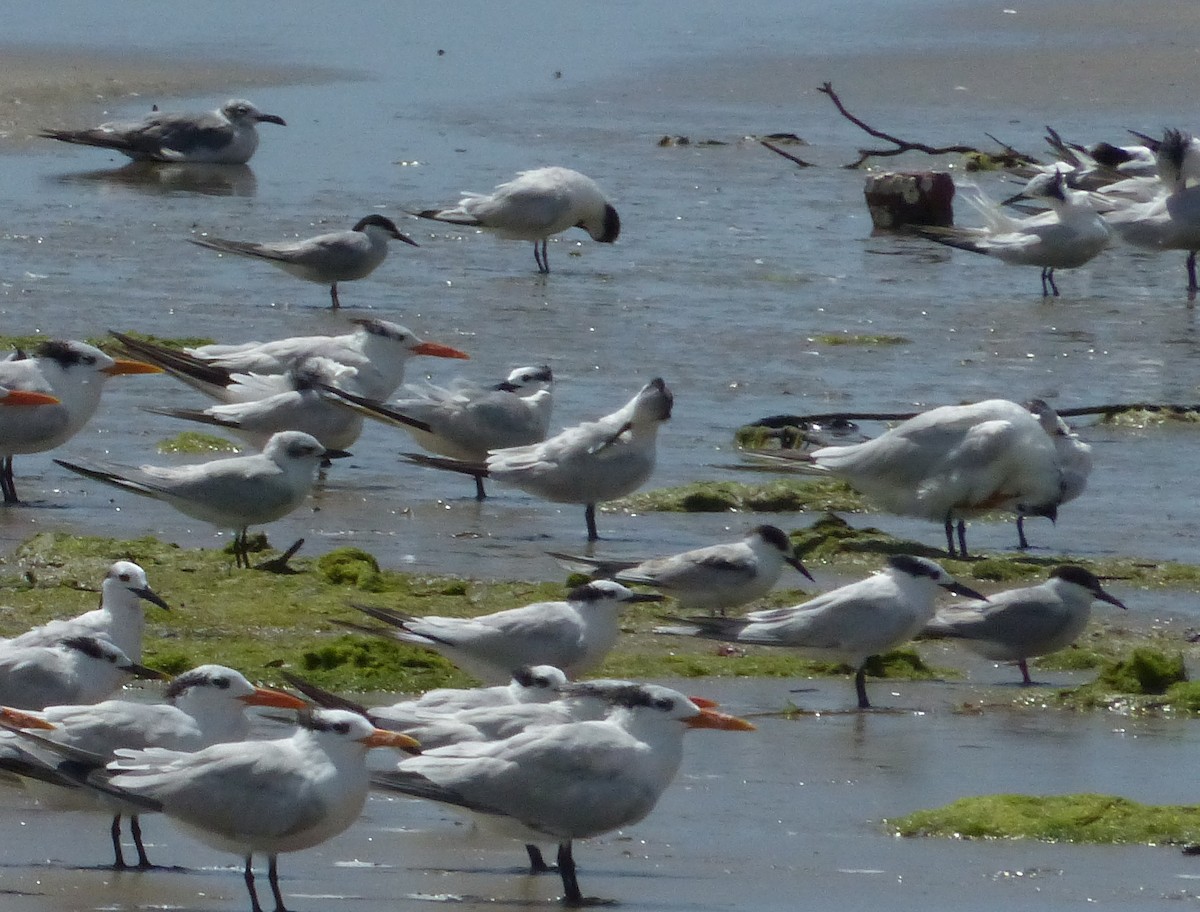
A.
x: 950, y: 537
x: 542, y: 255
x: 1050, y: 278
x: 1191, y: 271
x: 273, y: 875
x: 589, y: 516
x: 1045, y: 292
x: 7, y: 486
x: 962, y: 539
x: 248, y: 876
x: 241, y: 556
x: 537, y: 864
x: 333, y: 296
x: 480, y: 493
x: 1022, y: 541
x: 115, y: 832
x: 135, y: 828
x: 566, y: 870
x: 1025, y: 679
x: 860, y: 687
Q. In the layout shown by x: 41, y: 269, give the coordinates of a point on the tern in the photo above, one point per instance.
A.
x: 1074, y: 235
x: 377, y: 350
x: 233, y: 493
x: 714, y: 578
x: 851, y: 624
x: 574, y: 635
x: 76, y: 669
x: 1020, y: 624
x: 341, y: 256
x: 535, y: 205
x: 957, y: 461
x: 119, y: 619
x: 226, y: 136
x: 586, y: 464
x: 467, y: 423
x: 575, y: 780
x: 204, y: 706
x: 71, y: 372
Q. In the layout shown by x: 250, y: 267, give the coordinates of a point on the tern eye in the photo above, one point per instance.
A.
x: 124, y: 577
x: 221, y: 683
x: 342, y: 728
x: 88, y: 359
x: 664, y: 703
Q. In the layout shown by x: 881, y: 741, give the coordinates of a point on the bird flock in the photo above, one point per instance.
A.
x: 536, y: 754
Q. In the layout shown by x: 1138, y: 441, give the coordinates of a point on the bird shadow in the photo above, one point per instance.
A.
x: 165, y: 178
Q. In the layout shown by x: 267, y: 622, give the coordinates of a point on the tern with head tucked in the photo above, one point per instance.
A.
x: 714, y: 578
x: 341, y: 256
x: 851, y: 624
x: 226, y: 136
x: 535, y: 205
x: 574, y: 635
x: 74, y: 669
x: 1020, y: 624
x: 586, y: 464
x: 233, y: 493
x: 71, y: 372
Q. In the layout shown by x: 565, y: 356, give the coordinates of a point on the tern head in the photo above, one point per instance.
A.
x: 1085, y: 579
x: 538, y: 680
x: 1051, y: 187
x: 1172, y: 157
x: 600, y: 592
x: 923, y: 568
x: 654, y: 401
x: 527, y: 379
x: 240, y: 111
x: 656, y: 702
x: 339, y: 725
x: 606, y: 228
x: 215, y: 684
x: 385, y: 226
x: 127, y: 577
x: 777, y: 539
x: 298, y: 447
x: 399, y: 336
x: 80, y: 360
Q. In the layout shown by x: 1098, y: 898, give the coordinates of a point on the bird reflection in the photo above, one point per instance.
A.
x: 165, y: 178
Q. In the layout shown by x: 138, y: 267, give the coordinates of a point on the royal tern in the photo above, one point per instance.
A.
x: 850, y: 624
x: 119, y: 619
x: 586, y: 464
x: 226, y: 136
x: 1074, y: 234
x: 574, y: 635
x: 952, y: 462
x: 341, y: 256
x: 535, y: 205
x: 570, y: 781
x: 377, y: 350
x: 714, y: 578
x: 1020, y: 624
x: 71, y: 372
x: 204, y: 706
x: 467, y: 423
x: 76, y: 669
x: 233, y: 493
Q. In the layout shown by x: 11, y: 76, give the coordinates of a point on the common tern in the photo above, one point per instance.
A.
x: 340, y: 256
x: 204, y: 706
x: 535, y: 205
x: 233, y: 493
x: 120, y: 618
x: 226, y: 136
x: 575, y: 780
x: 1020, y: 624
x: 75, y: 669
x: 574, y: 635
x: 586, y: 464
x: 71, y: 372
x: 464, y: 422
x: 714, y: 578
x: 377, y: 350
x: 850, y: 624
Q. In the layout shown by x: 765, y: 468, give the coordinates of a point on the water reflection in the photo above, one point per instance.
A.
x: 160, y: 178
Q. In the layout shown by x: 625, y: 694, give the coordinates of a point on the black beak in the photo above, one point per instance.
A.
x: 151, y: 596
x: 795, y: 562
x: 959, y: 589
x: 337, y: 454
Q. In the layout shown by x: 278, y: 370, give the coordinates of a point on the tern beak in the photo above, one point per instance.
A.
x: 704, y: 702
x: 1111, y: 599
x: 272, y: 118
x: 645, y: 597
x: 437, y: 350
x: 959, y: 589
x: 404, y: 237
x: 795, y: 562
x: 151, y: 596
x: 145, y: 672
x: 710, y: 719
x: 18, y: 719
x: 28, y: 397
x: 265, y: 696
x: 336, y: 454
x: 123, y: 366
x: 382, y: 738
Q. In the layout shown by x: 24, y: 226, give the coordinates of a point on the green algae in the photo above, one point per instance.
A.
x: 107, y: 344
x: 865, y: 341
x: 1142, y: 418
x: 1142, y: 681
x: 197, y: 442
x: 781, y: 496
x: 1085, y: 818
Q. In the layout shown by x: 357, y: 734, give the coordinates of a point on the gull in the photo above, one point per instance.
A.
x: 233, y: 493
x: 1073, y: 235
x: 377, y: 350
x: 466, y: 423
x: 956, y: 461
x: 75, y: 669
x: 574, y: 635
x: 851, y: 624
x: 204, y: 706
x: 248, y: 797
x: 120, y: 619
x: 1020, y: 624
x: 585, y: 464
x: 71, y: 372
x: 226, y: 136
x: 714, y: 578
x: 575, y: 780
x: 340, y: 256
x: 535, y: 205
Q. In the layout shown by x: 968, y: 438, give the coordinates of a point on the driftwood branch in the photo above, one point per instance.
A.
x: 788, y: 155
x: 904, y: 145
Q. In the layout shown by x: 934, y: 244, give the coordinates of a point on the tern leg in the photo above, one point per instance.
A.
x: 333, y: 296
x: 273, y: 876
x: 962, y: 539
x: 537, y: 864
x: 541, y: 256
x: 860, y: 687
x: 1045, y: 293
x: 7, y: 485
x: 115, y: 832
x: 248, y: 876
x: 1191, y: 271
x: 1048, y: 276
x: 1025, y: 679
x: 566, y: 869
x: 135, y: 829
x: 1022, y: 541
x: 480, y: 493
x: 950, y: 537
x: 589, y: 515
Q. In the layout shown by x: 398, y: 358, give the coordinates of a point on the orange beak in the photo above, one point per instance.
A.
x: 265, y: 696
x: 710, y: 719
x: 27, y: 397
x: 123, y: 366
x: 382, y: 738
x: 437, y: 350
x: 704, y: 702
x: 18, y: 719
